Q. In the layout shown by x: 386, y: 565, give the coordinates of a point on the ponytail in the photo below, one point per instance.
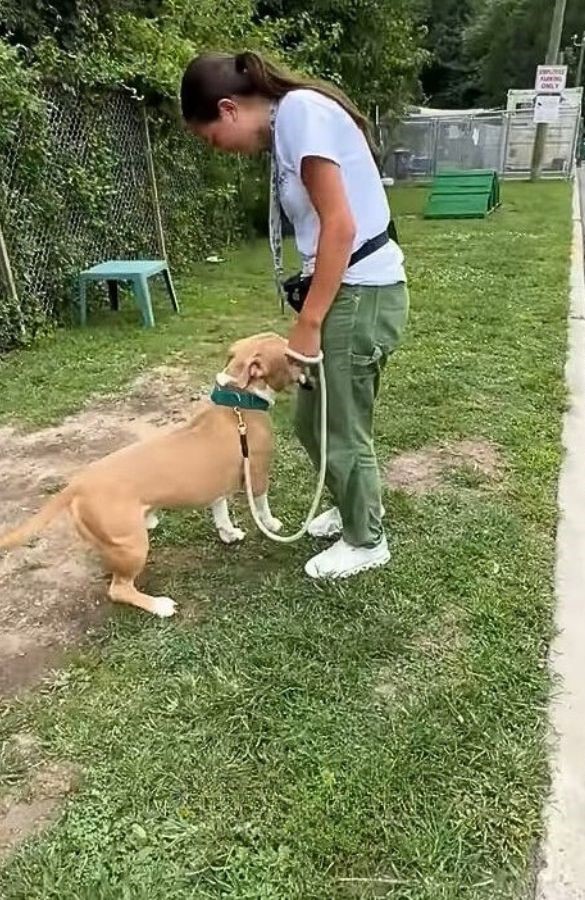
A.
x: 211, y: 77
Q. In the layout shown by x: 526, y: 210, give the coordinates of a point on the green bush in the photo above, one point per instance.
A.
x: 199, y: 194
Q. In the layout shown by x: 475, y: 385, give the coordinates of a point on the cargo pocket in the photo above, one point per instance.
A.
x: 393, y: 317
x: 366, y: 370
x: 367, y: 362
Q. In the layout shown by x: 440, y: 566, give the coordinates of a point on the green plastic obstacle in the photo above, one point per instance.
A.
x: 463, y: 195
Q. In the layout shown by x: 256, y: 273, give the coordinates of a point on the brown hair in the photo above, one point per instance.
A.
x: 212, y: 77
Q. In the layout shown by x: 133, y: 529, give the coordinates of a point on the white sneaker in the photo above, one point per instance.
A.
x: 329, y: 524
x: 342, y: 560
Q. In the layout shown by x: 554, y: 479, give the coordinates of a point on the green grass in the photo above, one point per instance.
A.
x: 383, y: 737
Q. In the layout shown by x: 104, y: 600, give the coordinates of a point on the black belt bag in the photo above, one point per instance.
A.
x: 297, y: 287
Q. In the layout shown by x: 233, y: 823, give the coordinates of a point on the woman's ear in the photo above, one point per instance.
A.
x: 227, y: 108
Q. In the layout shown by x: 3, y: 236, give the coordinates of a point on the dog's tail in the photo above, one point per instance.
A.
x: 36, y: 523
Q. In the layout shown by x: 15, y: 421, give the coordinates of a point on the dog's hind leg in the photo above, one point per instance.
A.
x: 118, y: 532
x: 123, y: 590
x: 227, y: 531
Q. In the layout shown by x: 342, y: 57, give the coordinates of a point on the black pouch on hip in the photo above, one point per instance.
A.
x: 297, y: 286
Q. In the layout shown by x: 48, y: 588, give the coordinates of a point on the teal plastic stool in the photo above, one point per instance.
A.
x: 136, y: 272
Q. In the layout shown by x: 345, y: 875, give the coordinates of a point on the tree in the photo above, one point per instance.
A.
x: 372, y: 48
x: 27, y: 23
x: 448, y: 78
x: 507, y: 39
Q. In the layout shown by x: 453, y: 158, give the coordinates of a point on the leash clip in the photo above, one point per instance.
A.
x: 242, y: 427
x: 243, y: 432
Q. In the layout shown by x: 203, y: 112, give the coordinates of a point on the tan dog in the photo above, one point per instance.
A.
x: 200, y: 464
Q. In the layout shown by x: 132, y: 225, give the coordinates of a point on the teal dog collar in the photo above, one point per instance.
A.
x: 238, y: 399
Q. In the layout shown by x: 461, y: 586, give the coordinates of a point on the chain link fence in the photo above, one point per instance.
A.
x: 74, y: 189
x: 77, y: 188
x: 418, y: 146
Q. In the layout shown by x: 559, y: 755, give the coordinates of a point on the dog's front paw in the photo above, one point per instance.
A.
x: 163, y: 607
x: 231, y: 535
x: 272, y: 524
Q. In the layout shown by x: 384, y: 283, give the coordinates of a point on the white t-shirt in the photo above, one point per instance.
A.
x: 310, y: 124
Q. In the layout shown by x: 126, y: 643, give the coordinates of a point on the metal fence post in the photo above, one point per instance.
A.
x: 153, y: 186
x: 8, y: 277
x: 504, y: 142
x: 574, y: 146
x: 435, y: 145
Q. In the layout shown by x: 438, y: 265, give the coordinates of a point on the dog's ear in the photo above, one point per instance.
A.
x: 248, y: 370
x: 279, y: 371
x: 257, y: 358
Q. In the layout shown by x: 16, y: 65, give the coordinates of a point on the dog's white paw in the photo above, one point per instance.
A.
x: 231, y: 535
x: 163, y: 607
x: 272, y: 524
x: 151, y: 521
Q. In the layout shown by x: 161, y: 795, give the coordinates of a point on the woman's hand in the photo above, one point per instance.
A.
x: 305, y: 337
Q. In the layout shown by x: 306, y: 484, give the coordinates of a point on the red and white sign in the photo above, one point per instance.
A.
x: 551, y: 79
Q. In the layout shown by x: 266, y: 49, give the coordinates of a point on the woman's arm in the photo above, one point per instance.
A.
x: 324, y: 184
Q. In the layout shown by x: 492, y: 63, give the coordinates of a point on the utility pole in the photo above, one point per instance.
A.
x: 579, y: 75
x: 552, y: 55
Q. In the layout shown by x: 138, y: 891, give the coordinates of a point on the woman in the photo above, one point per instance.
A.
x: 326, y: 180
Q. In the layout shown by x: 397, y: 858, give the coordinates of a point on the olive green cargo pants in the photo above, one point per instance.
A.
x: 363, y: 327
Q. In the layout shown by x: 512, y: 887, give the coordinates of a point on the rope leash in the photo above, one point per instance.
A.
x: 243, y: 431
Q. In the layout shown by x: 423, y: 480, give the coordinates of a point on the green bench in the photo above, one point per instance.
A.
x: 463, y: 195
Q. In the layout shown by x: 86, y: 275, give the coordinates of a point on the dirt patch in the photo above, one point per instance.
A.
x: 424, y: 470
x: 437, y: 647
x: 22, y: 750
x: 25, y: 816
x: 52, y: 592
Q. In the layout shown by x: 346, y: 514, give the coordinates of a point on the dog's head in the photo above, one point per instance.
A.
x: 259, y: 364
